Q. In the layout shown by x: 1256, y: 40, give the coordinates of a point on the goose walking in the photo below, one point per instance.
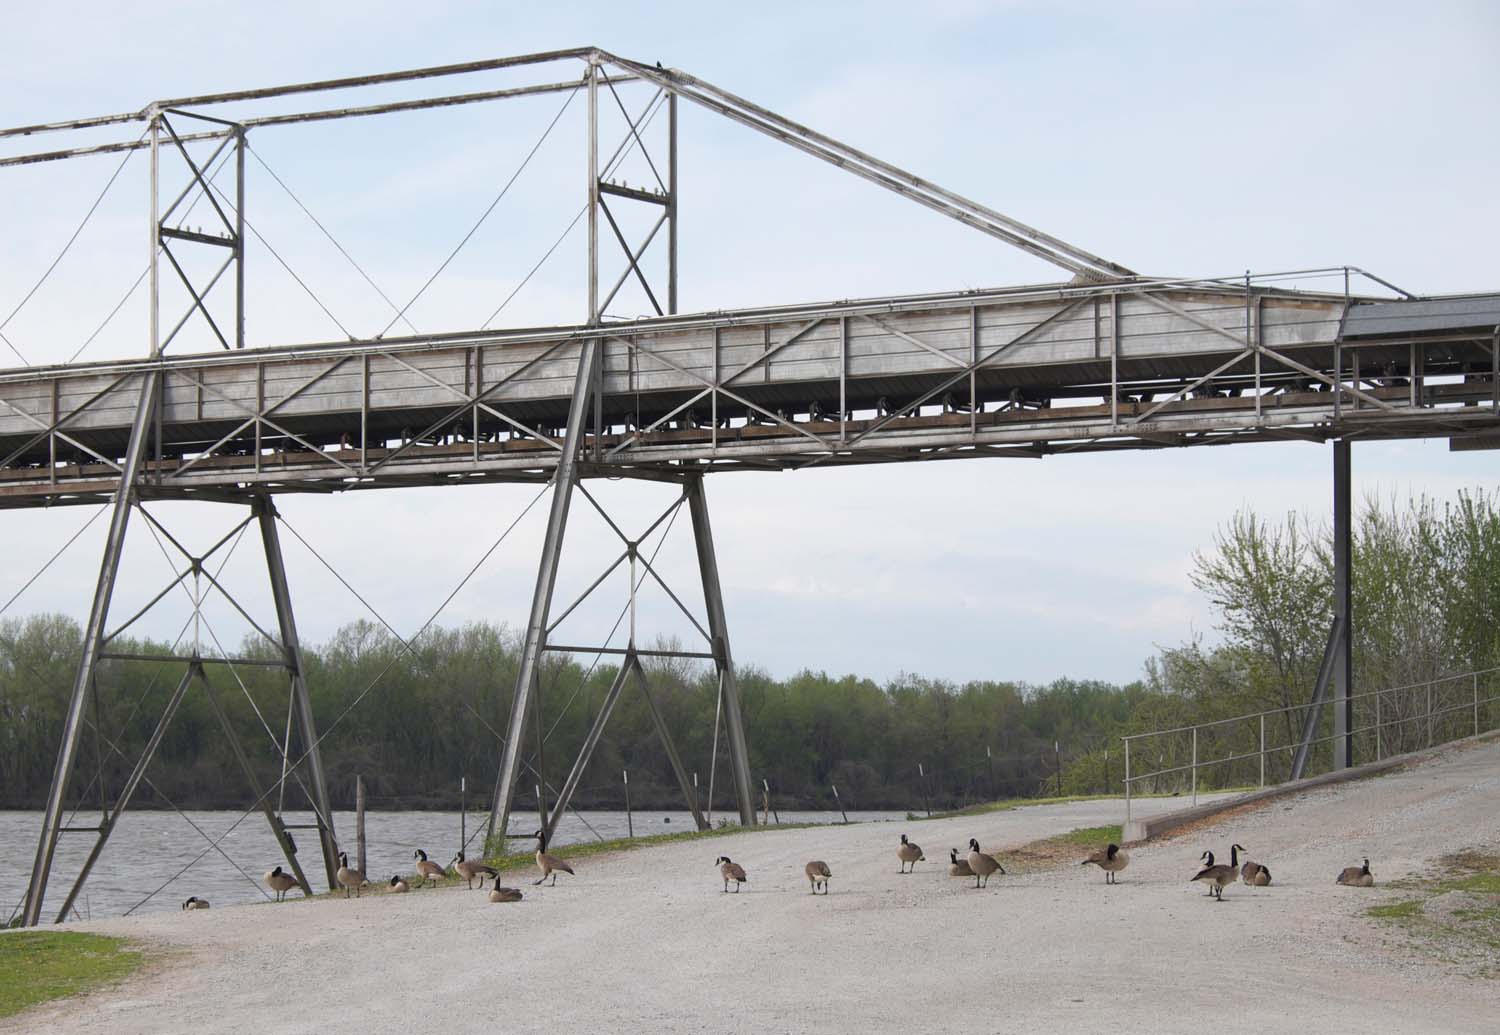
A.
x: 194, y: 902
x: 958, y: 867
x: 550, y: 865
x: 909, y: 853
x: 1111, y: 860
x: 427, y: 870
x: 982, y: 864
x: 280, y: 882
x: 1357, y: 876
x: 817, y: 874
x: 1220, y: 876
x: 731, y: 871
x: 468, y: 870
x: 349, y: 878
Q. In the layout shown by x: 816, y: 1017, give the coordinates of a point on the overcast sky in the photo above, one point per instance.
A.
x: 1173, y: 140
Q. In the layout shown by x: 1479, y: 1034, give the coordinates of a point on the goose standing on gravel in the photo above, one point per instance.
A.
x: 1111, y: 860
x: 194, y: 902
x: 1254, y: 875
x: 731, y: 871
x: 909, y: 853
x: 1357, y: 876
x: 468, y: 870
x: 817, y: 874
x: 398, y: 886
x: 1220, y: 876
x: 982, y: 864
x: 427, y: 870
x: 280, y: 882
x: 958, y: 867
x: 550, y: 865
x: 349, y: 878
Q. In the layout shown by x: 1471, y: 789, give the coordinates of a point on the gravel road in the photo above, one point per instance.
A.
x: 646, y: 940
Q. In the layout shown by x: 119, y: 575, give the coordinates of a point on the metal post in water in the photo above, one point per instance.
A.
x: 840, y: 801
x: 629, y: 823
x: 359, y: 819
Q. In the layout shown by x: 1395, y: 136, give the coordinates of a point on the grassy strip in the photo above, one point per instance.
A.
x: 1456, y: 914
x: 38, y: 966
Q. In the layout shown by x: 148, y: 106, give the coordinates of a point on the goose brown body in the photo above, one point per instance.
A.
x: 499, y: 894
x: 958, y: 867
x: 280, y: 882
x: 426, y: 869
x: 349, y: 878
x: 1357, y: 876
x: 194, y: 902
x: 1111, y: 859
x: 982, y: 864
x: 731, y: 871
x: 468, y: 869
x: 817, y: 875
x: 911, y: 853
x: 550, y: 865
x: 1254, y: 875
x: 1219, y: 876
x: 397, y: 886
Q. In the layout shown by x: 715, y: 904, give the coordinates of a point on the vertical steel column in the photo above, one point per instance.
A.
x: 93, y: 644
x: 593, y: 171
x: 671, y: 204
x: 239, y: 237
x: 718, y: 627
x: 307, y: 730
x: 154, y: 303
x: 1343, y: 666
x: 546, y: 579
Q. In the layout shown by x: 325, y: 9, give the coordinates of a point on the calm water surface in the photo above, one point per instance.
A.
x: 148, y: 849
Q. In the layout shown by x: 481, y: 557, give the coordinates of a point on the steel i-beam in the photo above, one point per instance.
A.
x: 1343, y: 662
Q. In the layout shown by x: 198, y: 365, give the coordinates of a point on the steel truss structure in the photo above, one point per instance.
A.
x: 1107, y: 360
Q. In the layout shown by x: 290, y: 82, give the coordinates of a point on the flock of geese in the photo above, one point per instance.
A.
x: 977, y: 864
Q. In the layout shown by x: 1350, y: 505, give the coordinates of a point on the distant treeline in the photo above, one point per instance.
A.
x: 1427, y: 600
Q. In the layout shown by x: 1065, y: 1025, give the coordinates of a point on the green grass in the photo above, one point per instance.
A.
x: 1091, y: 837
x: 38, y: 966
x: 1398, y: 910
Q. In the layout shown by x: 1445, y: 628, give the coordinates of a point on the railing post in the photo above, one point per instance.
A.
x: 1195, y: 765
x: 1429, y: 715
x: 1476, y: 704
x: 1262, y: 749
x: 1378, y: 754
x: 1127, y: 779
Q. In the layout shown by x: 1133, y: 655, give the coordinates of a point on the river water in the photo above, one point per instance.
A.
x: 149, y: 849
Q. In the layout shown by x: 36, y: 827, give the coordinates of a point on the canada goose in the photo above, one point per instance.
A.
x: 958, y: 867
x: 468, y: 870
x: 731, y: 871
x: 1357, y: 876
x: 1220, y: 876
x: 195, y: 903
x: 280, y: 883
x: 818, y: 873
x: 1254, y: 875
x: 1109, y: 859
x: 349, y: 878
x: 983, y: 864
x: 499, y: 894
x: 398, y: 886
x: 428, y: 871
x: 909, y: 853
x: 550, y: 865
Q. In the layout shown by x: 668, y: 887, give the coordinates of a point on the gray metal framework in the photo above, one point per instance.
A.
x: 1108, y: 360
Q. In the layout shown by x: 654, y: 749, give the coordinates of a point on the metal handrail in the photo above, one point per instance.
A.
x: 1429, y: 715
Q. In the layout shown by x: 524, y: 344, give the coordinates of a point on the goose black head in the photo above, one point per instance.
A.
x: 395, y: 880
x: 1238, y: 848
x: 721, y: 860
x: 276, y: 872
x: 953, y: 854
x: 343, y: 858
x: 458, y: 858
x: 973, y: 845
x: 419, y: 854
x: 903, y: 839
x: 1208, y: 858
x: 1111, y: 851
x: 1367, y: 866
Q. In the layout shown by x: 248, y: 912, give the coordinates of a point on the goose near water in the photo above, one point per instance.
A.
x: 499, y: 894
x: 349, y: 878
x: 280, y: 882
x: 909, y: 853
x: 468, y: 870
x: 398, y: 886
x: 427, y: 870
x: 550, y: 865
x: 194, y: 902
x: 731, y: 871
